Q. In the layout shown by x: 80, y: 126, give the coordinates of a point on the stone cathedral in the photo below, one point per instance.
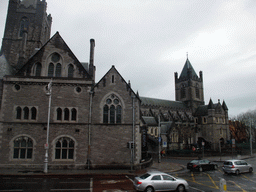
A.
x: 50, y: 103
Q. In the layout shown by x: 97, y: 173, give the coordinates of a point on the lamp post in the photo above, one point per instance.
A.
x: 49, y: 93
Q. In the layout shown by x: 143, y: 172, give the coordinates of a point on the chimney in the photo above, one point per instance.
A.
x: 91, y: 63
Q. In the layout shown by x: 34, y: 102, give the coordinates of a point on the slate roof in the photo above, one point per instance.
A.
x: 162, y: 103
x: 202, y: 110
x: 150, y: 121
x: 187, y: 66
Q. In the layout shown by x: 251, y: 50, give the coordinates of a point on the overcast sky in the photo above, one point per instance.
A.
x: 148, y: 40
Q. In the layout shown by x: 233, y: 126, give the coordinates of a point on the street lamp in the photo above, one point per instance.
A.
x: 49, y: 93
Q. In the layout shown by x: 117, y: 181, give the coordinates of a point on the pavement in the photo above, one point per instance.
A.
x: 164, y: 166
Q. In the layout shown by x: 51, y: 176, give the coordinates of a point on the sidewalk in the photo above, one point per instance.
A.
x: 164, y: 166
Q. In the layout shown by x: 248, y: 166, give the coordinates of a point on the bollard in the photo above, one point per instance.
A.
x: 223, y: 185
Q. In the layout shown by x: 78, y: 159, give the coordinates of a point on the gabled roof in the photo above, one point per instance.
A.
x: 127, y: 84
x: 162, y: 103
x: 57, y: 41
x: 186, y: 68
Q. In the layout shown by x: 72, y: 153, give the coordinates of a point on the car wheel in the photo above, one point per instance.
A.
x: 250, y: 169
x: 180, y: 188
x: 200, y: 169
x: 215, y: 167
x: 237, y: 172
x: 149, y: 189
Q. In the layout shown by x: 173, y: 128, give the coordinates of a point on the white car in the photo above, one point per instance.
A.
x: 159, y: 181
x: 236, y: 166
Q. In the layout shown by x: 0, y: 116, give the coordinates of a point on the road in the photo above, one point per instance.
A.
x: 209, y: 181
x: 199, y: 182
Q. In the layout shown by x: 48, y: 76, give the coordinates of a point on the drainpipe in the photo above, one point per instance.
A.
x: 133, y: 130
x: 89, y: 131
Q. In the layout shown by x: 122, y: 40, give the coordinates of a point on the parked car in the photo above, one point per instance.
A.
x: 159, y: 181
x: 236, y: 166
x: 201, y: 165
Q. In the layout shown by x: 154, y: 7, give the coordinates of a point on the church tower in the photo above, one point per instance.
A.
x: 189, y: 87
x: 27, y: 28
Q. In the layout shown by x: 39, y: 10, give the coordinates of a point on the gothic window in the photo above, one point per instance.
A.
x: 59, y: 114
x: 51, y: 70
x: 70, y: 70
x: 105, y: 114
x: 113, y: 79
x: 38, y: 69
x: 197, y: 91
x: 58, y: 70
x: 183, y: 91
x: 118, y: 114
x: 55, y: 67
x: 112, y: 110
x: 73, y: 114
x: 26, y: 112
x: 33, y: 113
x: 24, y: 23
x: 22, y: 148
x: 18, y: 113
x: 66, y: 114
x: 64, y: 148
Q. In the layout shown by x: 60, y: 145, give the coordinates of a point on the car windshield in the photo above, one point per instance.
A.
x: 194, y: 161
x: 145, y: 176
x: 227, y: 163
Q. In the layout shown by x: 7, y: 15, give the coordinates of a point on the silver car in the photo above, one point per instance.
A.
x: 236, y: 166
x: 159, y: 181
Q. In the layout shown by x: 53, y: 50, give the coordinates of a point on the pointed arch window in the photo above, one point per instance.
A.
x: 112, y: 110
x: 38, y: 69
x: 22, y: 148
x: 118, y: 114
x: 58, y: 70
x: 24, y: 23
x: 26, y: 113
x: 66, y: 114
x: 64, y: 148
x: 33, y: 113
x: 183, y: 91
x: 59, y: 114
x: 18, y: 113
x: 70, y: 70
x: 51, y: 70
x: 73, y: 114
x: 105, y: 114
x: 197, y: 91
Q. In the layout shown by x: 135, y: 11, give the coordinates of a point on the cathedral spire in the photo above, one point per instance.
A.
x: 188, y: 71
